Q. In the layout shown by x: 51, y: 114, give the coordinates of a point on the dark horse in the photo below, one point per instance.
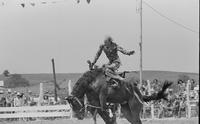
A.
x: 93, y: 84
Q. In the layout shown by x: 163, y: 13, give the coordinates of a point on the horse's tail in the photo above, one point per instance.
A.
x: 160, y: 95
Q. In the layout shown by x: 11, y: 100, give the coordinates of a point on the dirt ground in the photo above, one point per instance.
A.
x: 100, y: 121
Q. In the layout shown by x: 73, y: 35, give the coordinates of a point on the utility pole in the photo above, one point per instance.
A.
x: 55, y: 84
x: 139, y: 11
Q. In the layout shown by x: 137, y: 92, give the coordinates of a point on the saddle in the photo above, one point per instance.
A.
x: 111, y: 80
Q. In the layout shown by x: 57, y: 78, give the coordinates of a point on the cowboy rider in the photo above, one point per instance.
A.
x: 111, y: 49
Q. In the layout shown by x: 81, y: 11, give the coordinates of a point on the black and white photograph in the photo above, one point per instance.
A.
x: 99, y: 61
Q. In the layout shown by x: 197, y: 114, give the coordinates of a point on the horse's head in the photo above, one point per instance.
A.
x: 78, y: 106
x: 81, y: 87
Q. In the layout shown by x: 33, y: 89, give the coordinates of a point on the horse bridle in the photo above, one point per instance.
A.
x: 85, y: 106
x: 79, y: 102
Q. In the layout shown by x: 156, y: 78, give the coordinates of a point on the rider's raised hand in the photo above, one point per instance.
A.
x: 90, y: 64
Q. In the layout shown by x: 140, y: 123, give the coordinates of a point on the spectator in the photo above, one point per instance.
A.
x: 45, y: 100
x: 182, y: 107
x: 193, y: 83
x: 161, y: 112
x: 1, y: 93
x: 30, y: 100
x: 176, y: 107
x: 143, y: 90
x: 9, y: 99
x: 18, y: 100
x: 52, y: 101
x: 196, y: 92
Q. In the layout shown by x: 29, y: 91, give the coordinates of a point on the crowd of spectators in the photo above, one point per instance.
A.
x: 176, y: 106
x: 10, y: 98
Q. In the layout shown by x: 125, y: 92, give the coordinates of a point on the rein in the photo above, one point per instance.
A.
x: 86, y: 105
x: 89, y: 105
x: 79, y: 102
x: 92, y: 106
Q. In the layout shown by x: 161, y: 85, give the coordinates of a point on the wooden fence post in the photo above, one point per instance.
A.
x: 69, y: 87
x: 40, y: 100
x: 149, y: 92
x: 188, y: 99
x: 55, y: 83
x: 69, y: 93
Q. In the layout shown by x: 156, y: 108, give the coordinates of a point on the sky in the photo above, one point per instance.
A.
x: 71, y: 34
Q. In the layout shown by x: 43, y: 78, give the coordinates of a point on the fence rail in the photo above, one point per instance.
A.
x: 35, y: 111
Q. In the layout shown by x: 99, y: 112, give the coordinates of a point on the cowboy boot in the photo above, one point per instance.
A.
x: 119, y: 78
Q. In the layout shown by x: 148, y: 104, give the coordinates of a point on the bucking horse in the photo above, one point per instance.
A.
x: 93, y: 84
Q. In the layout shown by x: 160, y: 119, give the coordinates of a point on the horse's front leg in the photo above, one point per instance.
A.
x: 94, y: 113
x: 95, y: 116
x: 102, y: 98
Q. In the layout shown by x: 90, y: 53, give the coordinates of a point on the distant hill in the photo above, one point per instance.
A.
x: 63, y: 78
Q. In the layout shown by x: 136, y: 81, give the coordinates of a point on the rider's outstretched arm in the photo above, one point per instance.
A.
x: 126, y: 52
x: 98, y: 54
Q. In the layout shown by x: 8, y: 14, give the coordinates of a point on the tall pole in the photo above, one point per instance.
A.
x: 139, y: 11
x: 140, y: 42
x: 54, y: 76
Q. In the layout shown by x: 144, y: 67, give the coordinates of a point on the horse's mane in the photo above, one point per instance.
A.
x: 87, y: 78
x: 91, y: 75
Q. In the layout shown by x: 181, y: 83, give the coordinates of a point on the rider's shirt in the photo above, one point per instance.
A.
x: 111, y: 52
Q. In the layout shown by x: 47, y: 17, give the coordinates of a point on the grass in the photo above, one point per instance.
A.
x: 100, y: 121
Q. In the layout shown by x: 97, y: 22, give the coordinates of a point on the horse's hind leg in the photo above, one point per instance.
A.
x: 93, y: 111
x: 114, y: 108
x: 125, y: 109
x: 135, y: 108
x: 102, y: 98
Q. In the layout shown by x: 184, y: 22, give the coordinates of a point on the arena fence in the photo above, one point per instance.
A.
x: 36, y: 111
